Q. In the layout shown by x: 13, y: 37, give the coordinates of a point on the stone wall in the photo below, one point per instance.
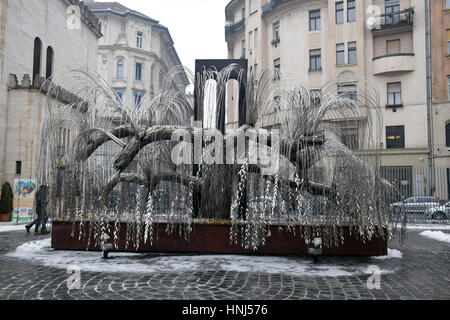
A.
x: 20, y: 23
x: 27, y: 112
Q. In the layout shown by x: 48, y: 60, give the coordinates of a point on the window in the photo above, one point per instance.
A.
x: 18, y: 167
x: 447, y: 134
x: 253, y: 6
x: 277, y: 66
x: 255, y: 34
x: 315, y: 61
x: 448, y: 41
x: 395, y: 137
x: 140, y: 38
x: 138, y: 71
x: 392, y: 6
x: 255, y: 69
x: 243, y: 13
x: 37, y: 58
x: 314, y: 20
x: 60, y: 172
x: 340, y: 54
x: 348, y: 91
x: 277, y: 63
x: 351, y: 11
x: 393, y: 46
x: 352, y: 56
x: 448, y: 86
x: 49, y: 67
x: 120, y: 69
x: 119, y: 95
x: 339, y: 12
x: 315, y: 97
x: 137, y: 100
x: 243, y: 49
x: 61, y: 148
x: 250, y: 41
x: 394, y: 94
x: 276, y: 31
x: 349, y: 138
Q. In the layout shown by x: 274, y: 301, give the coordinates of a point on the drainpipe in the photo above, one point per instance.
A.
x: 429, y: 96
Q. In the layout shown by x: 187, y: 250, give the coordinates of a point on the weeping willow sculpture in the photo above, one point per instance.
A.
x: 118, y: 165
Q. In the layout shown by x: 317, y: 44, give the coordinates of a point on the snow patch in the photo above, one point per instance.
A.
x: 392, y: 253
x: 428, y: 227
x: 436, y: 235
x: 40, y: 252
x: 11, y: 226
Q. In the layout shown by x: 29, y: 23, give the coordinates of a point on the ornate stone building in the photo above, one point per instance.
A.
x: 135, y: 52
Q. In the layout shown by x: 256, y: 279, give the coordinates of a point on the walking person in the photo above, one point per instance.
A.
x: 41, y: 211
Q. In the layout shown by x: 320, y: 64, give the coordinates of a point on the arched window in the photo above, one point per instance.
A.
x: 120, y: 69
x: 447, y: 134
x: 49, y: 69
x: 37, y: 57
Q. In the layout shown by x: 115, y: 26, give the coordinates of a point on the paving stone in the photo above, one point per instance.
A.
x: 420, y: 274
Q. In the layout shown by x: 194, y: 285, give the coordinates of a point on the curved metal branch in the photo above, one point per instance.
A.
x: 144, y: 181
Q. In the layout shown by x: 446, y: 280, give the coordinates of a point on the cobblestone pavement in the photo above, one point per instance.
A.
x: 422, y: 273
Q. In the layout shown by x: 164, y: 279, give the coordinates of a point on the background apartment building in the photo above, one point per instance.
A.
x: 135, y: 52
x: 440, y: 65
x: 317, y: 41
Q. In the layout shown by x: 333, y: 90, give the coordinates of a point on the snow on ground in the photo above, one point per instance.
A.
x: 428, y: 226
x: 11, y: 226
x: 436, y: 235
x: 40, y: 252
x: 392, y: 253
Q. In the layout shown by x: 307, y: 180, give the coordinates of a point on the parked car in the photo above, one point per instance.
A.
x: 439, y: 212
x: 416, y: 204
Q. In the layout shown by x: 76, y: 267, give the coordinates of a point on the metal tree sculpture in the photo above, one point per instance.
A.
x: 119, y: 166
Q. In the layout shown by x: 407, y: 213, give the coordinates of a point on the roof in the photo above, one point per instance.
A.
x: 117, y: 8
x: 230, y: 4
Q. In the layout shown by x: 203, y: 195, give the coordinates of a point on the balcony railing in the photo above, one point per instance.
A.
x: 272, y: 5
x: 404, y: 18
x: 229, y: 30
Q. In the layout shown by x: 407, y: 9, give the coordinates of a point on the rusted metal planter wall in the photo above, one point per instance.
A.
x: 214, y: 239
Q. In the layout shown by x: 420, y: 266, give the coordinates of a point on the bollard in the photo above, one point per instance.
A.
x: 316, y: 251
x: 106, y: 246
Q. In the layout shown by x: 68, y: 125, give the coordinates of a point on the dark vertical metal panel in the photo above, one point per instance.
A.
x: 218, y: 65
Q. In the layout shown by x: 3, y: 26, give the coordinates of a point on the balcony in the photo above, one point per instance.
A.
x: 272, y: 5
x: 391, y: 21
x: 235, y: 27
x: 398, y: 62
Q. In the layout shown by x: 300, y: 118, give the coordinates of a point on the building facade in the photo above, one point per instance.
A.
x: 38, y: 39
x: 440, y: 65
x: 317, y: 41
x: 135, y: 52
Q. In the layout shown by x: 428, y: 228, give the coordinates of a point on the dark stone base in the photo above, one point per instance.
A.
x: 215, y: 239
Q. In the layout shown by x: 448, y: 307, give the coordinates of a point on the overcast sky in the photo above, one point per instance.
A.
x: 196, y: 26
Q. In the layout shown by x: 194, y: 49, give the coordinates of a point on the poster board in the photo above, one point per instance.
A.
x: 24, y: 193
